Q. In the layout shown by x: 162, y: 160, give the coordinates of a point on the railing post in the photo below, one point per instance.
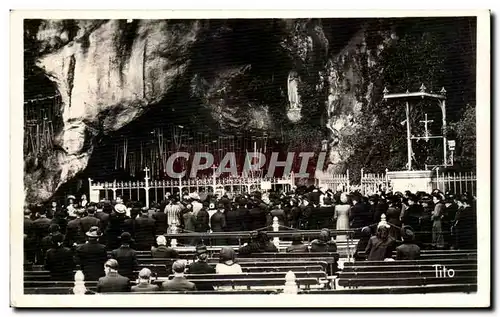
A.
x: 79, y: 288
x: 173, y: 242
x: 348, y: 181
x: 382, y: 222
x: 276, y: 228
x: 386, y: 180
x: 290, y: 284
x: 361, y: 181
x: 146, y: 185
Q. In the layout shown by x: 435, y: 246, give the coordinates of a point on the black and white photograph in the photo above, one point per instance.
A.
x: 199, y: 157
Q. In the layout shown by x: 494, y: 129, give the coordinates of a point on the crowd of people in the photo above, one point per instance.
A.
x: 61, y: 236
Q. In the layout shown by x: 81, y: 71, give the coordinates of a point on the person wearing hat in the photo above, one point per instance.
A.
x: 75, y: 234
x: 92, y: 255
x: 29, y: 237
x: 178, y: 282
x: 393, y: 217
x: 201, y: 266
x: 413, y: 213
x: 408, y: 250
x: 126, y: 256
x: 144, y: 284
x: 47, y: 241
x: 59, y: 260
x: 366, y: 233
x: 160, y: 218
x: 40, y: 227
x: 437, y: 217
x: 144, y: 231
x: 118, y: 223
x: 341, y: 214
x: 162, y: 250
x: 113, y: 282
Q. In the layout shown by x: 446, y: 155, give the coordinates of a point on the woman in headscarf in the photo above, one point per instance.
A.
x: 381, y: 245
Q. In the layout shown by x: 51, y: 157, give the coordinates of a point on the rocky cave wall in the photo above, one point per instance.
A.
x: 108, y: 73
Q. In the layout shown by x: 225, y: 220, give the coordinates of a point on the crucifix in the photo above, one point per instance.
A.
x: 146, y: 178
x: 425, y: 122
x: 422, y: 93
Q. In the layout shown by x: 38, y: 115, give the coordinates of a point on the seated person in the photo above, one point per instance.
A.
x: 408, y: 250
x: 324, y: 243
x: 178, y: 282
x: 162, y: 251
x: 200, y: 266
x: 260, y: 244
x: 381, y: 245
x: 362, y: 243
x: 297, y: 244
x: 112, y: 282
x: 144, y: 284
x: 227, y: 262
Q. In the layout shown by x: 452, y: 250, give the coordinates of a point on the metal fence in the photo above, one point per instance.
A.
x: 456, y: 182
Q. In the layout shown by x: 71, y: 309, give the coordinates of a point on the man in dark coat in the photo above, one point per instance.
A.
x: 360, y: 215
x: 162, y: 251
x: 59, y: 260
x: 103, y: 211
x: 90, y: 220
x: 92, y: 256
x: 200, y: 266
x: 160, y: 218
x: 408, y: 250
x: 113, y: 282
x: 413, y: 213
x: 145, y: 234
x: 126, y: 257
x: 40, y: 229
x: 260, y: 244
x: 29, y: 238
x: 116, y: 226
x: 257, y: 216
x: 178, y: 282
x: 297, y: 244
x: 75, y: 233
x: 144, y: 284
x: 324, y: 243
x: 218, y: 223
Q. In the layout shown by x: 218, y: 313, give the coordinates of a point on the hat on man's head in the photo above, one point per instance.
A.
x: 57, y: 238
x: 71, y: 197
x: 407, y: 233
x: 120, y: 208
x: 125, y: 237
x: 94, y: 232
x: 144, y: 210
x: 200, y: 249
x: 91, y: 209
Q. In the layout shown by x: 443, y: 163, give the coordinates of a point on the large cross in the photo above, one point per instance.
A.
x: 146, y: 170
x: 425, y: 122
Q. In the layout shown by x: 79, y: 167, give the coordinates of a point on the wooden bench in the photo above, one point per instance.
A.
x: 53, y: 291
x: 48, y: 283
x: 437, y: 254
x: 405, y: 281
x: 401, y: 274
x: 444, y: 261
x: 401, y: 268
x: 444, y: 288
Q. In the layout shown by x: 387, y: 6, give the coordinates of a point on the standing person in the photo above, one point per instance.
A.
x: 178, y: 282
x: 413, y: 213
x: 381, y: 245
x: 235, y: 219
x: 295, y: 213
x: 116, y: 226
x: 466, y: 225
x: 144, y: 231
x: 173, y: 212
x: 161, y: 223
x: 74, y: 230
x: 90, y: 220
x: 48, y: 241
x: 92, y: 256
x: 40, y: 229
x: 437, y: 228
x: 342, y: 213
x: 60, y: 220
x: 366, y: 234
x: 30, y: 242
x: 218, y: 223
x: 144, y: 284
x: 393, y: 218
x: 448, y: 219
x: 113, y: 282
x: 59, y: 260
x: 126, y: 257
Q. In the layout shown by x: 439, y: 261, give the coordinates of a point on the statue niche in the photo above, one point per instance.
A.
x: 295, y: 107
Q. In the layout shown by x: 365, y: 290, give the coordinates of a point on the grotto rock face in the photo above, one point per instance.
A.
x: 109, y: 72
